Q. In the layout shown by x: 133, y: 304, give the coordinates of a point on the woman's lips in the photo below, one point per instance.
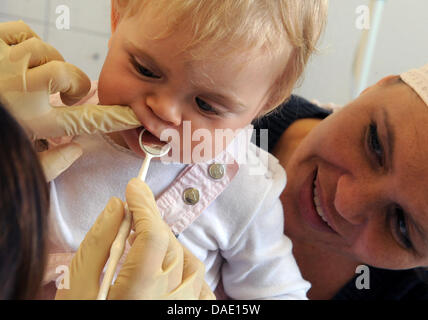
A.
x: 307, y: 205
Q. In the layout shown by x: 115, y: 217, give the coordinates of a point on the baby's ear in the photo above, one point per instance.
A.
x: 388, y: 80
x: 114, y: 16
x: 384, y: 81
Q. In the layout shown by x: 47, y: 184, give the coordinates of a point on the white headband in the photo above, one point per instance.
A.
x: 417, y: 79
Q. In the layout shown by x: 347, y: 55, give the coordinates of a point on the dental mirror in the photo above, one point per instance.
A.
x: 153, y: 148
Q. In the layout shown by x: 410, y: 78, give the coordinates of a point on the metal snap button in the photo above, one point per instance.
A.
x: 216, y: 171
x: 191, y: 196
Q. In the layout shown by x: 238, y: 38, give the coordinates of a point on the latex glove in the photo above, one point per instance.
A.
x: 31, y: 70
x: 157, y: 265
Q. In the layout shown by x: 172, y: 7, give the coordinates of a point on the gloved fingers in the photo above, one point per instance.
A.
x: 91, y: 257
x: 192, y: 264
x: 193, y: 271
x: 173, y: 263
x: 150, y: 230
x: 152, y: 235
x: 59, y: 76
x: 41, y: 52
x: 150, y: 246
x: 206, y: 293
x: 15, y: 32
x: 141, y: 201
x: 96, y: 245
x: 131, y: 238
x: 190, y: 288
x: 89, y: 119
x: 157, y: 265
x: 192, y: 282
x: 141, y: 275
x: 55, y: 161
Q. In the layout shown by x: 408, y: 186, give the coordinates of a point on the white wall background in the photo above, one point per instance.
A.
x: 402, y: 41
x: 84, y: 44
x: 402, y: 44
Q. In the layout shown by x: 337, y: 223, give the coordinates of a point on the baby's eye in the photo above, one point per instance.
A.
x: 205, y: 107
x: 145, y: 72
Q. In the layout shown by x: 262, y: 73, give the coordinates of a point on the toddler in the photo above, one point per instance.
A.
x: 193, y: 67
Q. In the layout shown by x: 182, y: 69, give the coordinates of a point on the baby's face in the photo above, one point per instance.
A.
x: 168, y: 90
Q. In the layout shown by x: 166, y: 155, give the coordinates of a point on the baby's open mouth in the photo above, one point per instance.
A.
x: 149, y: 140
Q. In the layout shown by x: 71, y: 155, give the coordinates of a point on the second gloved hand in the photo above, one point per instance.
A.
x: 157, y: 266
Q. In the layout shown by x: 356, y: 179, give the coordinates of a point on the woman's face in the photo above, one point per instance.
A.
x: 358, y: 183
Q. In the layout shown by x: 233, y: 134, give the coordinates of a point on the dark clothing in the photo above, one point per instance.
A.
x: 382, y: 284
x: 281, y: 118
x: 388, y: 285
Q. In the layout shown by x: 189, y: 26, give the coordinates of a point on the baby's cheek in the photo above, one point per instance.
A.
x: 103, y: 92
x: 110, y: 87
x: 110, y: 92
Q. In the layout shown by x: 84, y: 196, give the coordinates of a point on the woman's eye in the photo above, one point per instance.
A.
x: 146, y: 72
x: 374, y: 144
x: 402, y: 229
x: 205, y: 107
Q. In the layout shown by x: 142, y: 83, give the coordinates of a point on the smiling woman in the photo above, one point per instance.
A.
x: 361, y: 195
x: 357, y: 190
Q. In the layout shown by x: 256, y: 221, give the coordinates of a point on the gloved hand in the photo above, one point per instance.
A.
x: 157, y: 265
x: 30, y: 70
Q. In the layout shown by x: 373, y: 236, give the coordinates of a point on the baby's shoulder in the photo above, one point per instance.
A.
x: 261, y: 171
x: 258, y: 183
x: 253, y: 194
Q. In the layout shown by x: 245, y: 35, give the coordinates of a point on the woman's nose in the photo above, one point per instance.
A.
x: 357, y: 199
x: 165, y: 107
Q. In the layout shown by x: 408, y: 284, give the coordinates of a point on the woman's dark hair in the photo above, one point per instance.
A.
x: 24, y: 203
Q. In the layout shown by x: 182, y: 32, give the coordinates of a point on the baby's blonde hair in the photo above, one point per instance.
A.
x: 242, y: 24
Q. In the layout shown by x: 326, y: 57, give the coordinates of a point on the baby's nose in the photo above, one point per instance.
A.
x: 166, y: 108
